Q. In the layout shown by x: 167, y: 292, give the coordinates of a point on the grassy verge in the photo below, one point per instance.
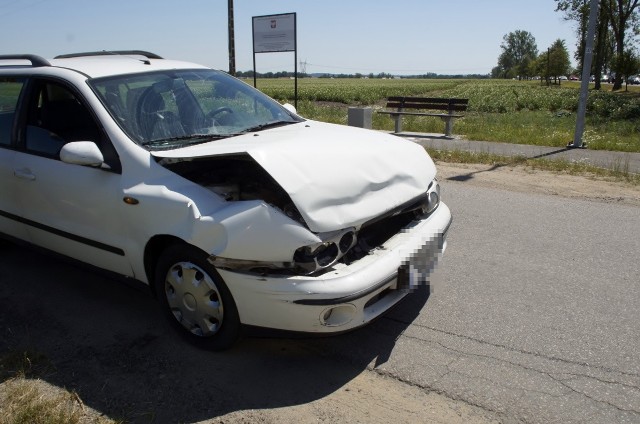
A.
x: 539, y: 128
x: 26, y: 399
x: 618, y: 173
x: 523, y: 112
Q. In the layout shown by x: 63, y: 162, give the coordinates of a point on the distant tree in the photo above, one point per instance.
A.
x: 538, y: 67
x: 626, y: 65
x: 553, y: 63
x: 616, y: 19
x: 523, y: 69
x: 518, y: 51
x: 578, y: 11
x: 558, y: 57
x: 625, y: 17
x: 604, y: 47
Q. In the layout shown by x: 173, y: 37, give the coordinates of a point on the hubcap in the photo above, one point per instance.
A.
x: 194, y: 299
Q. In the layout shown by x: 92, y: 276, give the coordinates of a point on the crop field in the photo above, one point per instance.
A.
x: 524, y: 112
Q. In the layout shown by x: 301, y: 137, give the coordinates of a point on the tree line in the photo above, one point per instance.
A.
x: 357, y: 75
x: 618, y: 22
x: 285, y: 74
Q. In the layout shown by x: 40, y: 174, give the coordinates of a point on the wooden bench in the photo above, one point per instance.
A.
x: 450, y: 106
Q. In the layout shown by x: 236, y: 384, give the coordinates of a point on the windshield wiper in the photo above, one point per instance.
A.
x: 192, y: 138
x: 272, y: 124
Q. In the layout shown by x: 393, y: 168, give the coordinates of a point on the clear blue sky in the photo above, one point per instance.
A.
x: 339, y: 36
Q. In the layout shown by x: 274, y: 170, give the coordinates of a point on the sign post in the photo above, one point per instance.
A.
x: 275, y: 34
x: 232, y: 42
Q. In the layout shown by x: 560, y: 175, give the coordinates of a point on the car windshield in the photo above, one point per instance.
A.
x: 176, y: 108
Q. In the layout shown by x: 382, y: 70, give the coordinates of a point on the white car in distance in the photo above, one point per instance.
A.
x: 231, y: 207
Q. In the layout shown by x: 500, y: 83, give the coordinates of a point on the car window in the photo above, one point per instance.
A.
x: 10, y: 89
x: 175, y: 108
x: 56, y: 117
x: 217, y: 95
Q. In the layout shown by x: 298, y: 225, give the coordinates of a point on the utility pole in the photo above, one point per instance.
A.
x: 586, y: 74
x: 548, y: 66
x: 232, y: 43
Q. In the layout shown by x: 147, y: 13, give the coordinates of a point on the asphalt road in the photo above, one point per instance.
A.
x: 534, y: 318
x: 538, y: 317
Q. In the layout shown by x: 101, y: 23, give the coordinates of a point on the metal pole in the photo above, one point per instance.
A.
x: 253, y: 43
x: 586, y: 74
x: 295, y: 61
x: 548, y: 76
x: 232, y: 43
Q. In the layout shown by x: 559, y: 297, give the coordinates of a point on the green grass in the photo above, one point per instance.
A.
x: 522, y: 112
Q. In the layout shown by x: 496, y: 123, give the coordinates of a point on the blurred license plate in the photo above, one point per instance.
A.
x: 417, y: 269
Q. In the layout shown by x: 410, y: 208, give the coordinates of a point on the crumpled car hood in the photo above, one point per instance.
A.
x: 337, y: 176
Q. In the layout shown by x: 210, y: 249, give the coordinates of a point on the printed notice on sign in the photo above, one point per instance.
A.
x: 274, y: 33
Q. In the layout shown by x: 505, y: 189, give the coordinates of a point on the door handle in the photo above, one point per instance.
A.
x: 24, y: 174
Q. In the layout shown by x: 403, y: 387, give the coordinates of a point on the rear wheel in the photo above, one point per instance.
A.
x: 195, y: 298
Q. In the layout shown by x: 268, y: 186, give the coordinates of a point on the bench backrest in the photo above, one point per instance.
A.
x: 457, y: 105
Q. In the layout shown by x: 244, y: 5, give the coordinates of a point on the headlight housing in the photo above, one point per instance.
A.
x: 317, y: 256
x: 433, y: 197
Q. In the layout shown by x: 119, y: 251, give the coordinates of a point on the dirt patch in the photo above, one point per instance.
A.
x: 369, y: 398
x: 525, y: 180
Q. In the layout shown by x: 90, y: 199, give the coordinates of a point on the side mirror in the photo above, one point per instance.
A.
x: 290, y: 108
x: 82, y: 153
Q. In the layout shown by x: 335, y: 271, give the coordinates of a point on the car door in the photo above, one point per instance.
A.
x: 10, y: 217
x: 70, y: 209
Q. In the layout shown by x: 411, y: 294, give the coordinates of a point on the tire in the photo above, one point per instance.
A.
x: 195, y: 299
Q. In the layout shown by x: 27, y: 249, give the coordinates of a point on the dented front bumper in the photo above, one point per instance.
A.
x: 346, y: 296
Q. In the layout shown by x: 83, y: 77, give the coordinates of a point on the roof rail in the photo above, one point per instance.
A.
x: 35, y: 60
x: 146, y: 54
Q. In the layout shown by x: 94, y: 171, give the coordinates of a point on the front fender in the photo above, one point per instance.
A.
x: 253, y: 230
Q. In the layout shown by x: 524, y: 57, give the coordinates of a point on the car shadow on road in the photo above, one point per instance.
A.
x: 107, y: 341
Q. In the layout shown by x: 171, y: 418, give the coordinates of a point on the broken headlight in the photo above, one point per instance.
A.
x: 317, y: 256
x: 433, y: 197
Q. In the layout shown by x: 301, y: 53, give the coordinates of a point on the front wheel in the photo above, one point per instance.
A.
x: 195, y: 298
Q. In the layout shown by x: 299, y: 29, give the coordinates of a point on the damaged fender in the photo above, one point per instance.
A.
x: 254, y: 231
x: 243, y: 230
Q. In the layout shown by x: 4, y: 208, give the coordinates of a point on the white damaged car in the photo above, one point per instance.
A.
x: 233, y: 208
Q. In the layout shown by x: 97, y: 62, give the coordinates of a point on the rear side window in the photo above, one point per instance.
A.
x: 9, y: 93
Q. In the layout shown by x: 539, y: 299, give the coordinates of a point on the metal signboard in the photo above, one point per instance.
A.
x: 274, y: 33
